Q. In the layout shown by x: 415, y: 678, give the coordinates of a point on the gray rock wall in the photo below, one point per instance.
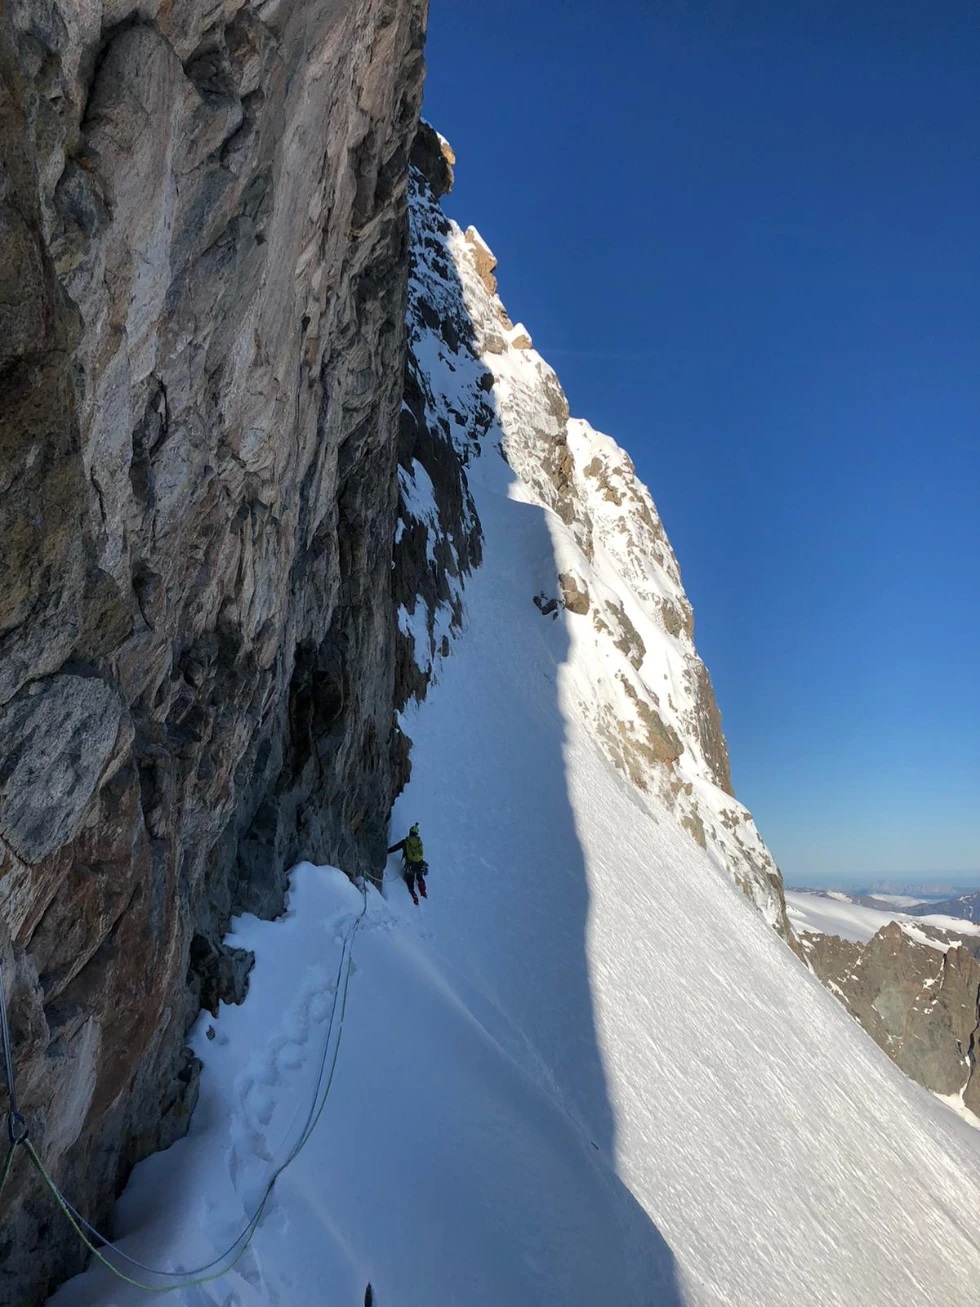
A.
x: 202, y: 300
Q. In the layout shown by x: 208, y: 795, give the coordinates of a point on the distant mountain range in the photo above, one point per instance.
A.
x: 944, y: 884
x: 965, y: 906
x: 925, y: 903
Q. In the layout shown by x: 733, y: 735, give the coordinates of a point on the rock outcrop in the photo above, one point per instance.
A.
x: 438, y: 540
x: 917, y: 994
x: 203, y: 264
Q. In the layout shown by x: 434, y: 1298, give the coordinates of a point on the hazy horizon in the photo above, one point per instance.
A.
x: 931, y: 882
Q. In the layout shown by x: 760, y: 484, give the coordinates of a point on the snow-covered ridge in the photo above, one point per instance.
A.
x: 837, y: 914
x: 612, y: 579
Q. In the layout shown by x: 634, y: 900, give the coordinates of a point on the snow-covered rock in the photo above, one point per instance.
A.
x: 482, y: 390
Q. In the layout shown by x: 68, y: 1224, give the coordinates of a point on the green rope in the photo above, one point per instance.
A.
x: 8, y: 1164
x: 249, y: 1231
x: 137, y: 1284
x: 336, y: 1051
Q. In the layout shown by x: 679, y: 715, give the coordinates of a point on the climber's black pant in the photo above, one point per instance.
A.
x: 415, y: 875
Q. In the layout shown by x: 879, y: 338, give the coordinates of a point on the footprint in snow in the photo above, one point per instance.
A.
x: 261, y: 1071
x: 321, y: 1004
x: 261, y: 1105
x: 249, y: 1268
x: 267, y: 1082
x: 248, y: 1143
x: 291, y: 1056
x: 339, y: 924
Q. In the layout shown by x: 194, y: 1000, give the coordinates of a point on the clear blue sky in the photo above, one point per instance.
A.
x: 746, y: 235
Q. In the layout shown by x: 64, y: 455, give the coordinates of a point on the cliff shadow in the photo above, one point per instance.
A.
x: 509, y: 901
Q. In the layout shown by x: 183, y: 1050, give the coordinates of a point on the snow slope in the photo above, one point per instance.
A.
x: 586, y: 1071
x: 433, y: 1163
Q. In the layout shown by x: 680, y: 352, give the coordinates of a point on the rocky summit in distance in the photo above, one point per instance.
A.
x: 966, y: 906
x: 915, y: 988
x: 203, y: 267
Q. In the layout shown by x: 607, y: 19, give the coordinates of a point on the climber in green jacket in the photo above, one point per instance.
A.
x: 415, y: 866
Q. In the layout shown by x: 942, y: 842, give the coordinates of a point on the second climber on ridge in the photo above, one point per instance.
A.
x: 415, y: 866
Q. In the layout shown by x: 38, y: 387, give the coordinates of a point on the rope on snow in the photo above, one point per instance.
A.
x: 18, y: 1134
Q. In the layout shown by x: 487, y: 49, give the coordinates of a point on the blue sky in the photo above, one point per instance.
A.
x: 746, y: 235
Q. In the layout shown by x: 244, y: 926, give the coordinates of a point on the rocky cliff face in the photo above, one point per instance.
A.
x: 916, y: 991
x: 202, y: 303
x: 479, y: 391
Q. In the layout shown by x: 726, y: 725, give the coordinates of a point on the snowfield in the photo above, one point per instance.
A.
x: 838, y: 915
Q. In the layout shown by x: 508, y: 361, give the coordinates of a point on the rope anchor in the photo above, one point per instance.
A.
x: 17, y: 1130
